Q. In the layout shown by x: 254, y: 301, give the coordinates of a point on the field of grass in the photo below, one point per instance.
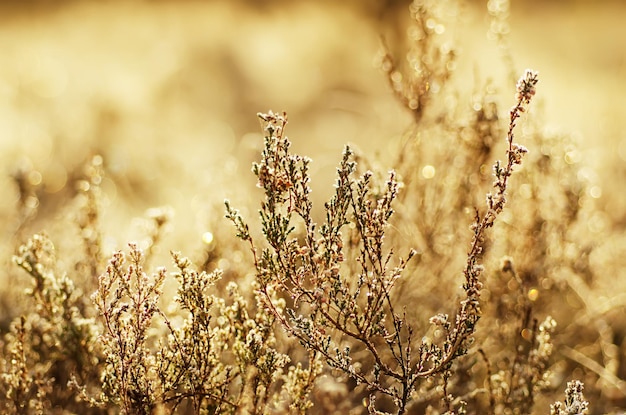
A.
x: 133, y: 122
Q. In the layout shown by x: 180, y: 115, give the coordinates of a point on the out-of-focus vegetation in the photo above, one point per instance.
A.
x: 133, y: 121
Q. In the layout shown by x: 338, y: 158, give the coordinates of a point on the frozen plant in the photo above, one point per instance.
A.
x: 575, y: 403
x: 339, y: 279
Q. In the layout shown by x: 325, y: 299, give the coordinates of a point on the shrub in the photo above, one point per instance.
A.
x: 359, y: 312
x: 341, y: 288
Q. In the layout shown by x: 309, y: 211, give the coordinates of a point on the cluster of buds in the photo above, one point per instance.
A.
x: 526, y: 87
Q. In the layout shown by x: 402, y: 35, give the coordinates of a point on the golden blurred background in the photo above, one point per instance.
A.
x: 167, y: 91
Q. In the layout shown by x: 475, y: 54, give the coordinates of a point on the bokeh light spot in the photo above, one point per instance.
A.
x: 573, y: 156
x: 428, y: 171
x: 595, y: 192
x: 34, y: 178
x: 207, y: 238
x: 223, y: 264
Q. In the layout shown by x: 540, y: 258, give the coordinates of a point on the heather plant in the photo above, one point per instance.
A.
x: 359, y: 312
x: 429, y: 60
x: 53, y: 342
x: 24, y: 384
x: 220, y: 358
x: 217, y: 355
x: 337, y: 307
x: 575, y: 403
x: 543, y: 248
